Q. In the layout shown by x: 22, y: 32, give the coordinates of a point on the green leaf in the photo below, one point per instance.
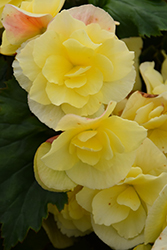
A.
x: 23, y: 203
x: 136, y: 17
x: 3, y: 71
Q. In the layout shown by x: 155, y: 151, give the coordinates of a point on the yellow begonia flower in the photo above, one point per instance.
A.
x: 29, y: 20
x: 73, y: 220
x: 2, y: 5
x: 96, y: 153
x: 119, y: 213
x: 150, y: 111
x: 156, y: 82
x: 157, y: 217
x: 73, y: 68
x: 135, y: 44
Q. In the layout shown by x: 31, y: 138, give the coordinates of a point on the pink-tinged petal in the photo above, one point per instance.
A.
x: 51, y: 139
x: 21, y: 25
x: 91, y: 14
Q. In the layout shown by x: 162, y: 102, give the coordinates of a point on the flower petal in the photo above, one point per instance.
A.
x: 156, y: 219
x: 151, y: 76
x: 91, y: 14
x: 133, y: 225
x: 58, y: 157
x: 91, y: 177
x: 85, y: 197
x: 61, y: 94
x: 73, y: 121
x: 6, y: 47
x: 21, y: 25
x: 150, y: 159
x: 36, y: 95
x: 110, y: 236
x: 105, y: 208
x: 129, y: 198
x: 42, y: 6
x: 58, y: 239
x: 48, y: 114
x: 30, y: 68
x: 48, y: 178
x: 161, y: 241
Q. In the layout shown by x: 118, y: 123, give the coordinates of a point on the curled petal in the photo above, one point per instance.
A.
x: 6, y: 47
x: 110, y: 236
x: 48, y: 178
x: 91, y: 14
x: 42, y: 6
x: 21, y: 25
x: 73, y: 121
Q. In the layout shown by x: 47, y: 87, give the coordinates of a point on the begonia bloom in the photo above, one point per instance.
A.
x: 156, y: 82
x: 96, y: 153
x: 73, y: 220
x: 119, y: 213
x: 73, y: 68
x: 150, y: 111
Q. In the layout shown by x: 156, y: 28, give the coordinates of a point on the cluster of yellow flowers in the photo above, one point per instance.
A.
x: 111, y: 155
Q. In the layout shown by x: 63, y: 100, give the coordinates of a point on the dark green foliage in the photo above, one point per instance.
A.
x: 23, y: 203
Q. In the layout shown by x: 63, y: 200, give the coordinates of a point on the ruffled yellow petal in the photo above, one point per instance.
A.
x: 6, y: 47
x: 58, y: 157
x: 133, y: 225
x: 110, y: 236
x: 150, y: 159
x: 48, y: 178
x: 105, y: 208
x: 129, y: 198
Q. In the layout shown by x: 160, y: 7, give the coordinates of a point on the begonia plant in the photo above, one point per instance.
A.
x: 83, y: 124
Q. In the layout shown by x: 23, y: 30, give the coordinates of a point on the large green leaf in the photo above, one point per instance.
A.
x: 136, y: 17
x: 23, y: 203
